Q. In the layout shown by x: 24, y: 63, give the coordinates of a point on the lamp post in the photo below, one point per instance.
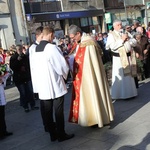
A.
x: 125, y: 8
x: 146, y: 14
x: 62, y: 8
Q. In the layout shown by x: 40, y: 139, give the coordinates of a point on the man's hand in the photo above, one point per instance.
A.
x: 145, y: 51
x: 125, y: 37
x: 137, y: 55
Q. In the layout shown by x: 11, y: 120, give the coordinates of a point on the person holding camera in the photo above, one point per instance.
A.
x: 19, y: 63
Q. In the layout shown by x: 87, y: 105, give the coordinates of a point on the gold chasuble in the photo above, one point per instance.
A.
x: 91, y: 101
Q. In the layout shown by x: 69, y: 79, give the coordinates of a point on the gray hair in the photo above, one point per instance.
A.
x: 116, y: 21
x: 73, y: 29
x: 136, y: 34
x: 136, y: 22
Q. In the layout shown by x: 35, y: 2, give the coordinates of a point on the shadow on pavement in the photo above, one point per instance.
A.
x: 126, y: 108
x: 141, y: 146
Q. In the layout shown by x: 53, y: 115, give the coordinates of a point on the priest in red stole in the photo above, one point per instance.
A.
x: 91, y: 100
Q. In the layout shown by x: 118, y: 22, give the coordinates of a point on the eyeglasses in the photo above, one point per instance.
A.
x: 72, y: 37
x: 128, y: 28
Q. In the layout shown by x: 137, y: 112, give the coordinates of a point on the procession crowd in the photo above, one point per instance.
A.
x: 41, y: 71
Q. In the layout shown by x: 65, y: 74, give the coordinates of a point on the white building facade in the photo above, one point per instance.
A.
x: 19, y: 18
x: 13, y: 28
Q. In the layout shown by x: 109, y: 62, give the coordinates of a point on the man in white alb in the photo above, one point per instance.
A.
x: 31, y: 52
x: 124, y: 63
x: 51, y: 69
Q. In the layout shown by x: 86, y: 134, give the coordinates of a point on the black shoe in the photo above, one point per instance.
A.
x: 35, y: 108
x: 8, y: 133
x: 53, y: 138
x: 46, y: 130
x: 2, y: 137
x: 65, y: 137
x: 26, y: 110
x: 53, y: 131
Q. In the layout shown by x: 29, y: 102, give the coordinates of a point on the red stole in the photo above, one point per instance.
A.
x: 77, y: 80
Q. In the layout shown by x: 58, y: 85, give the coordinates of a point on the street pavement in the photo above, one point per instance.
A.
x: 130, y: 129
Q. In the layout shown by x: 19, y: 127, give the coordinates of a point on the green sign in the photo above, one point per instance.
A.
x: 148, y: 5
x: 108, y: 18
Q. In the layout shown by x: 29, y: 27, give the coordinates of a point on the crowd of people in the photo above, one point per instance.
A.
x: 81, y: 57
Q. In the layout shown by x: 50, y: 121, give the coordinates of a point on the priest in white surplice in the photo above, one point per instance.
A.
x: 124, y: 63
x: 51, y: 70
x: 31, y: 52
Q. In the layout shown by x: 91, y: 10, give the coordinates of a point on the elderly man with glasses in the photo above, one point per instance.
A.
x: 123, y: 68
x: 91, y: 101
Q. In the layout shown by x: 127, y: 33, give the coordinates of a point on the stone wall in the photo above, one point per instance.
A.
x: 90, y: 4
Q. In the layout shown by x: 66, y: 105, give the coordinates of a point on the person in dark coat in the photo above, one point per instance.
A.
x: 143, y: 50
x: 19, y: 63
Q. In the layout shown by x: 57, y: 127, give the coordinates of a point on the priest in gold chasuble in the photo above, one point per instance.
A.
x: 91, y: 101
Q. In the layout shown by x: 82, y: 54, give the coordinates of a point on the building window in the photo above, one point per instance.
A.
x: 90, y: 21
x: 78, y: 0
x: 24, y: 1
x: 95, y: 20
x: 35, y: 0
x: 74, y: 21
x: 50, y: 0
x: 84, y: 22
x: 39, y: 0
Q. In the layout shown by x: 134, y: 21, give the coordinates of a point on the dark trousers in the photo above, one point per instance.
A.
x: 36, y: 96
x: 146, y: 66
x: 47, y: 107
x: 136, y: 82
x: 2, y: 120
x: 26, y: 94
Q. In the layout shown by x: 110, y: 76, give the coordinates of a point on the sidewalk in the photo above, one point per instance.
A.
x: 129, y: 131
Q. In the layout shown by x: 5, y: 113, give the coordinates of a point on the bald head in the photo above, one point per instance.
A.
x: 139, y: 29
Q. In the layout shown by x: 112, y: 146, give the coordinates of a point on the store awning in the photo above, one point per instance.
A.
x: 40, y: 17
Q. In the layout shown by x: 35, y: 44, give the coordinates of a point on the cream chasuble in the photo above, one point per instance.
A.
x: 91, y: 101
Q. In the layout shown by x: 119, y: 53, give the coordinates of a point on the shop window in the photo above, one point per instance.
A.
x: 84, y: 22
x: 50, y: 0
x: 95, y: 20
x: 25, y: 1
x: 74, y: 21
x: 85, y: 29
x: 94, y: 29
x: 39, y: 1
x: 35, y: 0
x: 78, y: 0
x: 90, y: 21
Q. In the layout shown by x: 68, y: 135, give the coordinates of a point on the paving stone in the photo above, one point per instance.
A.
x: 129, y: 130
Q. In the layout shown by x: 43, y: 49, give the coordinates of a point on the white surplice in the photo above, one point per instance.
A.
x: 33, y: 66
x: 51, y: 69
